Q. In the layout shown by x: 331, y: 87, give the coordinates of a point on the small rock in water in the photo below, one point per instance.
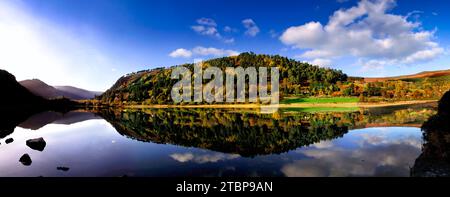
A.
x: 10, y: 140
x: 65, y: 169
x: 25, y: 160
x: 36, y: 144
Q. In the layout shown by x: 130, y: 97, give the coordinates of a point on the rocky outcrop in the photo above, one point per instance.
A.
x: 435, y: 158
x: 36, y: 144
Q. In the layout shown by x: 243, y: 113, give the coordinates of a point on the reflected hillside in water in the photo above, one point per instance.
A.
x: 244, y: 132
x: 39, y: 120
x: 9, y: 120
x: 249, y: 133
x: 217, y: 142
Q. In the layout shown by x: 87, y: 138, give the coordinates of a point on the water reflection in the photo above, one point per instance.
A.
x: 244, y: 133
x: 368, y: 152
x: 190, y: 142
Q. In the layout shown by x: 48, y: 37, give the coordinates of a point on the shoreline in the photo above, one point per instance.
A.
x: 293, y: 105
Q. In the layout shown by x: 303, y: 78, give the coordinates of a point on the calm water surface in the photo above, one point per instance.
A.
x: 382, y: 142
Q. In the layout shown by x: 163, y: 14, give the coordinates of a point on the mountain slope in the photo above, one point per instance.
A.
x: 44, y: 90
x: 40, y: 88
x: 421, y: 75
x: 82, y: 93
x: 154, y: 86
x: 17, y: 103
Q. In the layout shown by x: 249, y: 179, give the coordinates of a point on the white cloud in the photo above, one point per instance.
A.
x: 229, y: 41
x: 204, y: 30
x: 366, y: 31
x: 424, y: 55
x: 181, y: 53
x: 206, y: 26
x: 321, y: 62
x: 202, y: 51
x: 207, y: 22
x: 252, y: 28
x: 373, y: 65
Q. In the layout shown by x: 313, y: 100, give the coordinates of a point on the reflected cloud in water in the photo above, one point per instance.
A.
x: 202, y: 158
x: 388, y: 153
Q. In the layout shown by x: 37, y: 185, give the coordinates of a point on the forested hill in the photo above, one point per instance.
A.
x: 154, y: 86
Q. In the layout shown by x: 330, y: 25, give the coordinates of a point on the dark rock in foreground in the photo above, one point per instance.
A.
x: 8, y: 141
x: 37, y: 144
x: 444, y: 104
x: 25, y: 160
x: 435, y: 158
x: 65, y: 169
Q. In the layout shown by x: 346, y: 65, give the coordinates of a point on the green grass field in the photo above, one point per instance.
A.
x: 320, y: 100
x: 322, y: 109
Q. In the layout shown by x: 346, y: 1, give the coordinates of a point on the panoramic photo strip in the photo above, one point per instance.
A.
x: 240, y: 91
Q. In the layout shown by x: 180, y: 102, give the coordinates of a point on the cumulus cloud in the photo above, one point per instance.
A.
x: 181, y: 53
x: 202, y: 51
x: 366, y: 31
x: 252, y: 28
x: 202, y: 158
x: 373, y: 65
x: 206, y: 26
x: 207, y: 22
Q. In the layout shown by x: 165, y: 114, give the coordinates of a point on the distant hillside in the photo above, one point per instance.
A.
x: 44, y: 90
x: 82, y: 93
x: 154, y: 86
x: 421, y: 75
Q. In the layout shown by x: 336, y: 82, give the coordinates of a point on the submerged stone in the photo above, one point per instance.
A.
x: 25, y: 160
x: 37, y: 144
x: 8, y: 141
x: 65, y: 169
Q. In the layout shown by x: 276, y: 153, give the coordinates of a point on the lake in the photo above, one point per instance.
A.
x: 214, y: 142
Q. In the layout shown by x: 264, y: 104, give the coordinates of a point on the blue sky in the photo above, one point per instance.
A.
x: 91, y: 43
